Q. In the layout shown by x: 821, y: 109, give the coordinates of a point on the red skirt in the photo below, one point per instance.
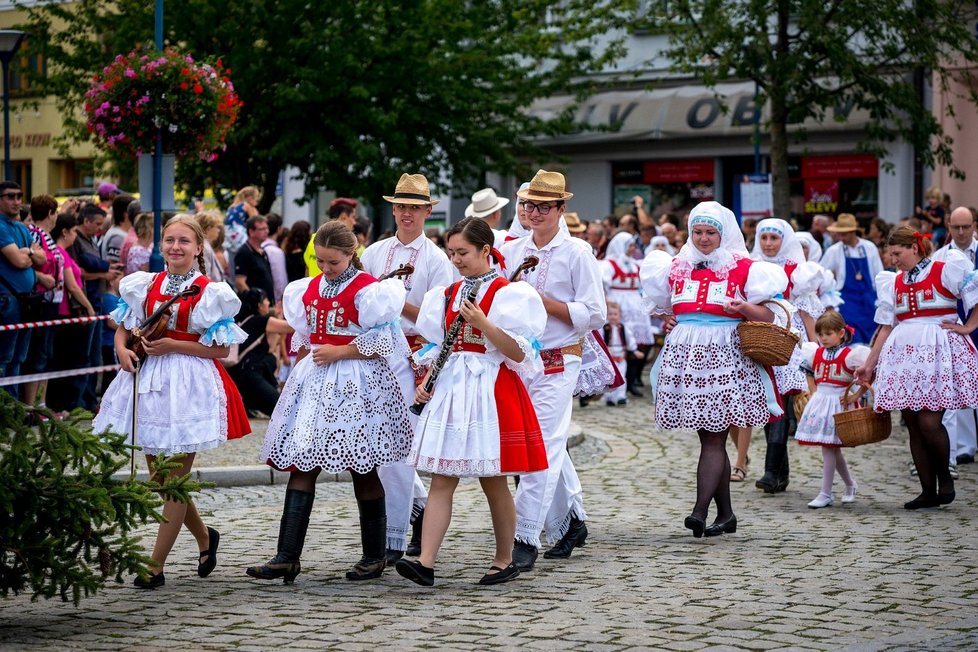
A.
x: 238, y: 424
x: 521, y: 448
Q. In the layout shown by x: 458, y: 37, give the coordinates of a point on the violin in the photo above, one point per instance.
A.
x: 404, y: 270
x: 153, y: 327
x: 528, y: 264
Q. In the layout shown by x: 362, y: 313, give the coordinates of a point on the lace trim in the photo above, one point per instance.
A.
x: 458, y: 468
x: 379, y: 340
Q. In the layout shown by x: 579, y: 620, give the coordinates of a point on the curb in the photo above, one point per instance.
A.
x: 261, y: 475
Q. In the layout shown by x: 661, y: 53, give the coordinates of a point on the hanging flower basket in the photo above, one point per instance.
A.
x: 193, y: 104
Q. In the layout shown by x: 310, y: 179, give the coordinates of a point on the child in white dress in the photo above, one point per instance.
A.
x: 832, y: 365
x: 619, y: 339
x: 186, y: 400
x: 341, y: 408
x: 478, y: 420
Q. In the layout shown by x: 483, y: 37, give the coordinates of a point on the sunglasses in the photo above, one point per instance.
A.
x: 12, y: 195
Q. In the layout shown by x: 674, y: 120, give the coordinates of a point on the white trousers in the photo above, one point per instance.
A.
x: 546, y: 500
x: 402, y: 486
x: 961, y: 431
x: 618, y: 393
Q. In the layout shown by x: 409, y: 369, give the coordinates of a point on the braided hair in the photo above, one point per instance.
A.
x: 336, y: 235
x: 191, y: 223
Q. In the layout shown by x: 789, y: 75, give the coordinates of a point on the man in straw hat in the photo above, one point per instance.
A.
x: 855, y: 262
x: 489, y: 208
x: 569, y: 282
x: 406, y: 495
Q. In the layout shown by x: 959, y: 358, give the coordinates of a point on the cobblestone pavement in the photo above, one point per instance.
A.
x: 864, y: 576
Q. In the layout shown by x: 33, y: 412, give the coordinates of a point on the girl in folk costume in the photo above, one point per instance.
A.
x: 923, y: 361
x: 775, y: 242
x: 621, y: 344
x: 478, y: 420
x: 832, y: 364
x: 619, y: 272
x: 701, y: 379
x: 186, y: 401
x: 341, y: 408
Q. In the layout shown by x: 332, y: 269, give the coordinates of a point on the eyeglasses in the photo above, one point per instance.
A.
x: 12, y: 195
x: 543, y: 209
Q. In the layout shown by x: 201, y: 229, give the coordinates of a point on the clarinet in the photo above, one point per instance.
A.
x: 446, y: 348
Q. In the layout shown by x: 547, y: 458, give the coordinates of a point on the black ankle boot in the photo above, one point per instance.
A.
x: 291, y: 537
x: 414, y: 545
x: 775, y: 478
x: 574, y: 538
x: 373, y: 539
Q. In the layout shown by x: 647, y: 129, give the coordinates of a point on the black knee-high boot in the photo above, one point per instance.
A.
x: 776, y: 468
x: 291, y: 537
x: 373, y: 539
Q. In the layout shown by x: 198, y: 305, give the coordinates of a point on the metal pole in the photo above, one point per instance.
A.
x: 7, y: 167
x: 757, y: 134
x: 156, y: 258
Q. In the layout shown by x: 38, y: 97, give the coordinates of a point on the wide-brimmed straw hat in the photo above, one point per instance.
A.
x: 844, y: 223
x: 574, y: 223
x: 545, y: 186
x: 484, y: 203
x: 412, y: 189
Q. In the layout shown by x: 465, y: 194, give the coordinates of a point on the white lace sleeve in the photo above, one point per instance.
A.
x: 828, y: 291
x: 133, y: 290
x: 764, y: 281
x: 886, y: 299
x: 380, y: 305
x: 958, y: 277
x: 214, y: 316
x: 294, y: 312
x: 518, y: 311
x: 654, y: 276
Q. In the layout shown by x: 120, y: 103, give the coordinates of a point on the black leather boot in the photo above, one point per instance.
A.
x: 291, y: 537
x: 524, y: 555
x: 414, y: 545
x: 373, y: 539
x: 775, y: 476
x: 574, y: 538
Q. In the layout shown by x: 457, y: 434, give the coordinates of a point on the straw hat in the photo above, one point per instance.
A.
x: 412, y: 189
x: 545, y: 186
x: 845, y: 223
x: 485, y: 203
x: 574, y: 223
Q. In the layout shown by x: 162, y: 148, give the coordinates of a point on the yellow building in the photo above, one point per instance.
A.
x: 35, y: 126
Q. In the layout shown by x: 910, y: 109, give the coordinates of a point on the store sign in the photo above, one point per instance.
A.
x: 28, y: 140
x: 821, y: 196
x: 680, y: 171
x: 842, y: 166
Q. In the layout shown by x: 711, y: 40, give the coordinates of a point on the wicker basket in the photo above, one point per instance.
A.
x: 799, y: 401
x: 860, y: 425
x: 767, y: 344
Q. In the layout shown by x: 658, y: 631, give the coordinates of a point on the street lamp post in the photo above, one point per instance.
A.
x: 10, y: 40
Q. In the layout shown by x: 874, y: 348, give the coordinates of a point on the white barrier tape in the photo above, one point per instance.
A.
x: 52, y: 322
x: 31, y: 378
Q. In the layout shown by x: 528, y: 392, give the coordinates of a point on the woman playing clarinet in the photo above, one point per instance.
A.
x: 478, y: 420
x: 185, y: 401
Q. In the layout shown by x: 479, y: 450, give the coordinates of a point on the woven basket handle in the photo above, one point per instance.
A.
x: 848, y: 399
x: 787, y: 315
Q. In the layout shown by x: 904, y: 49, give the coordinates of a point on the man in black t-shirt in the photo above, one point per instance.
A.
x: 251, y: 266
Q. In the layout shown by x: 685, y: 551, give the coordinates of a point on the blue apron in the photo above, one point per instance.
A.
x: 859, y: 296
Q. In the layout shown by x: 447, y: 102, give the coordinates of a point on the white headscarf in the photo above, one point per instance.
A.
x: 722, y: 259
x: 814, y: 248
x: 517, y: 230
x: 661, y: 239
x: 618, y: 247
x: 790, y: 250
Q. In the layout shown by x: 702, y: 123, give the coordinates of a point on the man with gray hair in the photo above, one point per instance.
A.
x: 820, y: 226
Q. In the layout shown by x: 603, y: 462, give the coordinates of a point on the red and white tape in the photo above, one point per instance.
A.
x: 52, y: 322
x: 67, y: 373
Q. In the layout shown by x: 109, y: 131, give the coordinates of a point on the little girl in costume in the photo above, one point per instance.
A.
x: 832, y: 364
x: 478, y: 420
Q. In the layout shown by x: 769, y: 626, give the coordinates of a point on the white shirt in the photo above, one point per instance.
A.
x: 969, y: 253
x: 431, y: 268
x: 834, y: 260
x: 276, y: 260
x: 569, y: 273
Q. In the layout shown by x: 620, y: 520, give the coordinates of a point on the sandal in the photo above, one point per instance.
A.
x: 738, y: 474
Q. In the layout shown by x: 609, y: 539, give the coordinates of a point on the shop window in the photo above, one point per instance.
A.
x: 27, y: 74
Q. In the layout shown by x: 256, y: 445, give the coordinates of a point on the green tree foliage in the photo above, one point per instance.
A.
x: 355, y: 93
x: 810, y: 56
x: 64, y: 523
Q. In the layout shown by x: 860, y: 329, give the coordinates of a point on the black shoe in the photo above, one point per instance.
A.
x: 416, y: 572
x: 768, y: 482
x: 393, y: 556
x: 276, y: 568
x: 696, y: 524
x: 610, y: 403
x: 716, y: 529
x: 367, y: 568
x: 965, y: 459
x: 945, y: 498
x: 583, y: 401
x: 153, y: 581
x: 923, y: 501
x: 635, y: 392
x: 574, y: 538
x: 501, y: 575
x: 623, y: 401
x: 205, y: 567
x: 414, y: 545
x: 524, y: 555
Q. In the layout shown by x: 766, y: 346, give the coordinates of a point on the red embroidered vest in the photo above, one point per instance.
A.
x: 926, y: 297
x: 182, y: 307
x: 332, y: 321
x: 470, y: 339
x: 705, y: 292
x: 622, y: 280
x: 832, y: 372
